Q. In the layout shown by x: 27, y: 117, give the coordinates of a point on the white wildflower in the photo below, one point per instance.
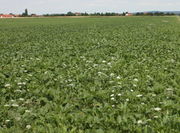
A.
x: 27, y: 102
x: 7, y: 85
x: 155, y: 117
x: 88, y: 61
x: 15, y: 105
x: 119, y: 94
x: 113, y: 58
x: 142, y: 103
x: 148, y: 120
x: 157, y: 109
x: 112, y: 98
x: 46, y: 72
x: 6, y: 105
x: 134, y: 85
x: 28, y: 126
x: 82, y: 57
x: 131, y: 90
x: 27, y: 111
x: 103, y: 61
x: 112, y: 74
x: 139, y: 121
x: 99, y: 73
x: 112, y: 95
x: 12, y: 100
x: 127, y: 99
x: 149, y: 77
x: 169, y: 89
x: 136, y: 80
x: 20, y: 83
x: 118, y: 77
x: 71, y: 85
x: 111, y: 82
x: 109, y: 63
x: 7, y: 121
x: 153, y: 95
x: 113, y: 106
x: 30, y: 75
x: 70, y: 80
x: 20, y: 86
x: 172, y: 60
x: 21, y: 99
x: 139, y: 95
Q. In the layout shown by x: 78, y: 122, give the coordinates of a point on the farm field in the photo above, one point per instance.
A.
x: 90, y: 75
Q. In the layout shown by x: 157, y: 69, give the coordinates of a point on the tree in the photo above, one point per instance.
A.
x: 25, y: 14
x: 123, y: 14
x: 70, y: 14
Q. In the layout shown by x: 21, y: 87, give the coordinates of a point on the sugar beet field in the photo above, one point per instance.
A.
x: 90, y: 75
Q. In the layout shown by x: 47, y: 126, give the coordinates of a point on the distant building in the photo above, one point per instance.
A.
x: 17, y: 15
x: 34, y: 15
x: 129, y: 14
x: 77, y: 14
x: 6, y: 16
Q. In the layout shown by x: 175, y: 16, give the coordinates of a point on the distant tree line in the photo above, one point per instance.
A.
x: 153, y: 14
x: 25, y: 14
x: 114, y: 14
x: 86, y: 14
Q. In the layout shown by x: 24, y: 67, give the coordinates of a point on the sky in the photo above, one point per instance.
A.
x: 90, y: 6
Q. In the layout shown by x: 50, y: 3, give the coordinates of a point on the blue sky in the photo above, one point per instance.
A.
x: 63, y: 6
